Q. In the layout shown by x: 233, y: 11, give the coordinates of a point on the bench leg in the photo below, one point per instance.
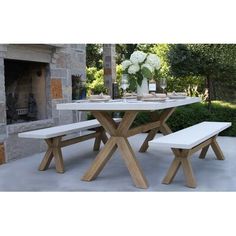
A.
x: 97, y: 143
x: 174, y: 167
x: 188, y: 173
x: 58, y: 155
x: 46, y: 160
x: 54, y: 150
x: 48, y: 156
x: 102, y: 137
x: 183, y: 160
x: 216, y: 148
x: 204, y: 152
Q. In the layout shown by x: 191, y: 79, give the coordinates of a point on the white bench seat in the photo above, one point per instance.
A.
x: 188, y: 141
x: 60, y: 136
x: 60, y: 130
x: 192, y: 136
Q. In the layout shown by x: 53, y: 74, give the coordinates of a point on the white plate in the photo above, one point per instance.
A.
x: 129, y: 97
x: 99, y: 99
x: 176, y: 97
x: 153, y: 99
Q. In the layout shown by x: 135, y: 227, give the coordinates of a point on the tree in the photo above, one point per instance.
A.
x: 94, y: 55
x: 213, y: 61
x: 123, y: 51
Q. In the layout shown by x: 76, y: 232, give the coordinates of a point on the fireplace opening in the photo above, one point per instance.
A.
x: 25, y: 87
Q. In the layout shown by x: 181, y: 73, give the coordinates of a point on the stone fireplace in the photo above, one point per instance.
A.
x: 33, y: 79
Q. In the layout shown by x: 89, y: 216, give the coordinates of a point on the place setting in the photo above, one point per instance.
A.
x: 154, y: 97
x: 99, y: 98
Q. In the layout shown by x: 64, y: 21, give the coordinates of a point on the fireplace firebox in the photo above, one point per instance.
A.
x: 25, y: 90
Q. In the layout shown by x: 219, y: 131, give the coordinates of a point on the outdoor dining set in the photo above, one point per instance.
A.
x: 114, y: 134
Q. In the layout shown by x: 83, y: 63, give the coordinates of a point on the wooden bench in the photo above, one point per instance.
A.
x: 186, y: 142
x: 57, y: 138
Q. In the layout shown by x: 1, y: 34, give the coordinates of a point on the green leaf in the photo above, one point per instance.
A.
x: 146, y: 73
x: 139, y: 79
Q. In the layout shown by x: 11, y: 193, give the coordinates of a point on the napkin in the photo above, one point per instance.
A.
x: 160, y: 95
x: 148, y: 95
x: 154, y: 95
x: 130, y: 94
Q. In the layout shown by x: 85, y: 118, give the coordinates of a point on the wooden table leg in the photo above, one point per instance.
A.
x: 132, y: 164
x: 152, y: 133
x: 118, y: 138
x: 165, y: 129
x: 163, y: 117
x: 101, y: 159
x: 104, y: 137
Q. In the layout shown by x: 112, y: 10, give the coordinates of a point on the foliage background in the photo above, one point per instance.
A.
x: 186, y: 67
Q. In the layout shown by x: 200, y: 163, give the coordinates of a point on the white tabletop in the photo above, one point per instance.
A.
x: 133, y: 105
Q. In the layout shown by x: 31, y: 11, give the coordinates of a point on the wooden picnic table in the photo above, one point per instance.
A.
x: 119, y: 133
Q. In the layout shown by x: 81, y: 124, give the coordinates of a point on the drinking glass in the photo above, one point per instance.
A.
x: 124, y: 85
x: 163, y: 84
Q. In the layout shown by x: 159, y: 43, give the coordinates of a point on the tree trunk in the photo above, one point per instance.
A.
x: 214, y: 92
x: 209, y: 87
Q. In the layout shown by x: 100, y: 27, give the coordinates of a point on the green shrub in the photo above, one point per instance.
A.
x: 95, y: 80
x: 189, y: 115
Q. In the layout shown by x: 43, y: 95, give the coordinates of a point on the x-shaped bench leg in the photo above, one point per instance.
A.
x: 215, y: 147
x: 182, y: 158
x: 102, y: 137
x: 54, y: 150
x: 184, y: 161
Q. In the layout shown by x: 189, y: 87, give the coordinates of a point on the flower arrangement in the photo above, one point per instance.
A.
x: 141, y: 65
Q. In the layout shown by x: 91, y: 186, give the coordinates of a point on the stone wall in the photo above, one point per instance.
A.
x: 3, y: 127
x: 63, y: 62
x: 66, y: 61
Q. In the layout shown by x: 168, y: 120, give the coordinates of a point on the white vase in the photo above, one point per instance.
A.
x: 143, y: 89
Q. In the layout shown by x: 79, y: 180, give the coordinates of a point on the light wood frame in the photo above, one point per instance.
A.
x: 2, y: 154
x: 182, y: 158
x: 119, y: 134
x: 56, y: 144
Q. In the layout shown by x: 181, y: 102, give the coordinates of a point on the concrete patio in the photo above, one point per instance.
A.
x: 211, y: 175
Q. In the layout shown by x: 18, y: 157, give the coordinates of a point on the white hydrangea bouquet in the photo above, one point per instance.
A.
x: 141, y: 65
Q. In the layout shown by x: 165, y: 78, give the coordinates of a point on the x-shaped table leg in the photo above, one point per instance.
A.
x: 118, y: 140
x: 164, y: 128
